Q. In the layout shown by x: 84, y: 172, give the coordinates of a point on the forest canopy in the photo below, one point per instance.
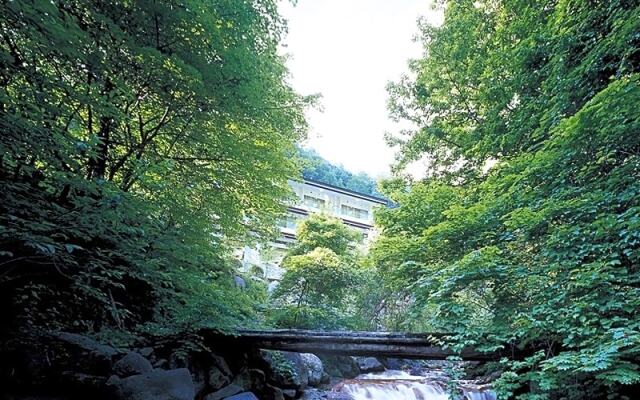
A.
x: 539, y: 252
x: 315, y: 167
x: 140, y: 139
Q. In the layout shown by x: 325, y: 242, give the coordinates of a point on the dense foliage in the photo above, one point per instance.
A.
x: 316, y: 168
x: 540, y: 252
x: 139, y: 140
x: 321, y: 273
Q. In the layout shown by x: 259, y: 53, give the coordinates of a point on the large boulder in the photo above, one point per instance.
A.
x: 340, y: 366
x: 173, y: 384
x: 243, y: 396
x: 132, y: 364
x: 209, y: 371
x: 392, y: 363
x: 84, y: 354
x: 225, y: 392
x: 285, y: 369
x: 315, y: 370
x: 369, y: 364
x: 146, y: 352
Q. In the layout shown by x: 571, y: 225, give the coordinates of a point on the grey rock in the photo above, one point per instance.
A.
x: 286, y: 369
x: 239, y: 282
x: 178, y: 360
x: 273, y: 393
x: 161, y: 363
x: 289, y: 394
x: 221, y: 364
x: 340, y: 366
x: 430, y: 364
x: 369, y: 364
x: 409, y: 365
x: 113, y: 380
x: 199, y: 376
x: 272, y: 286
x: 217, y: 378
x: 219, y: 374
x: 338, y: 396
x: 313, y: 394
x: 349, y: 367
x: 391, y: 363
x: 146, y: 351
x: 257, y: 380
x: 225, y: 392
x: 243, y: 380
x: 173, y: 384
x: 243, y: 396
x: 132, y: 364
x: 315, y: 370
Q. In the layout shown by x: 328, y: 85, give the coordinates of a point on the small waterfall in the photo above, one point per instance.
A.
x: 398, y: 385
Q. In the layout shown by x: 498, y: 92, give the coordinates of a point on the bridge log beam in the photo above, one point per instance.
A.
x: 381, y: 344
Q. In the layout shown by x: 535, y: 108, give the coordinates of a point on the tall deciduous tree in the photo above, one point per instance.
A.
x: 319, y: 273
x: 138, y: 138
x: 540, y: 252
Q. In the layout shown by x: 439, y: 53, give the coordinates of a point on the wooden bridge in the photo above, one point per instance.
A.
x: 381, y: 344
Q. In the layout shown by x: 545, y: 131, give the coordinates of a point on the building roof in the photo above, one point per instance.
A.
x: 338, y: 189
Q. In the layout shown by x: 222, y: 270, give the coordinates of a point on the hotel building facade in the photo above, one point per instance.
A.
x: 353, y: 208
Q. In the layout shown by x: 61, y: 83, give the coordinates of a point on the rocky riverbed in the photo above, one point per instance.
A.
x: 71, y: 366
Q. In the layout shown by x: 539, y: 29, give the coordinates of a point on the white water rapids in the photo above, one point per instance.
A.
x: 399, y: 385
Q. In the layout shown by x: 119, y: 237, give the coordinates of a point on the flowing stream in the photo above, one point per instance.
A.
x: 399, y: 385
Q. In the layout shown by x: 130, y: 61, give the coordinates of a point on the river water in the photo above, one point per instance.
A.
x: 399, y: 385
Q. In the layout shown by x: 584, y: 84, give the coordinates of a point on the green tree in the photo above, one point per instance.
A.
x: 323, y: 231
x: 320, y: 272
x: 139, y: 139
x: 539, y: 252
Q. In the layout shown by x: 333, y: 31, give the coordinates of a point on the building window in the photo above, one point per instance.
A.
x: 289, y: 222
x: 314, y: 202
x: 354, y: 212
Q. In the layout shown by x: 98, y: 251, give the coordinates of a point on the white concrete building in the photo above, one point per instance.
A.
x: 353, y: 208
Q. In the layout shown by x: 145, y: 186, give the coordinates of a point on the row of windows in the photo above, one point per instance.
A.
x: 354, y: 212
x: 291, y: 222
x: 314, y: 202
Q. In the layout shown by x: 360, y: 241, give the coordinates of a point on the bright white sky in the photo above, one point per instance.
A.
x: 348, y: 50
